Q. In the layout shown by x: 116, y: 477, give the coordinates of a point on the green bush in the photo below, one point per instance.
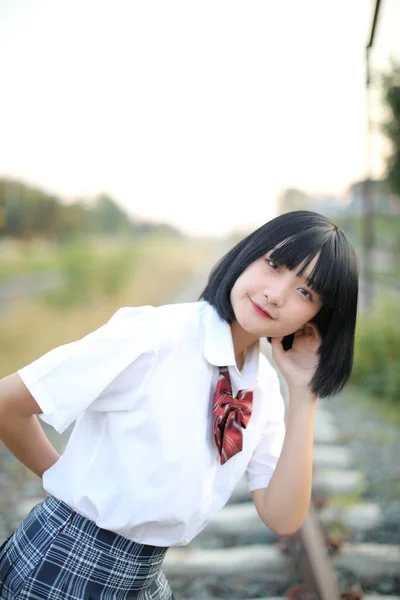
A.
x: 386, y: 229
x: 90, y: 272
x: 377, y: 352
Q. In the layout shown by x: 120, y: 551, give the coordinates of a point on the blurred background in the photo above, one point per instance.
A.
x: 141, y: 140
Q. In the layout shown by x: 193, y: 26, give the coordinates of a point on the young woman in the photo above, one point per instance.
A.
x: 173, y: 405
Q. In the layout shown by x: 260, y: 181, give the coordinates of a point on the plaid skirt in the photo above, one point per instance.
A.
x: 56, y: 553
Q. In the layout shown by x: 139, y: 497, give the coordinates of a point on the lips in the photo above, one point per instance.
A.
x: 260, y: 311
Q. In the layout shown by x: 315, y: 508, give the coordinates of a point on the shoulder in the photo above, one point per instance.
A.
x: 128, y: 322
x: 131, y: 315
x: 161, y: 326
x: 181, y: 319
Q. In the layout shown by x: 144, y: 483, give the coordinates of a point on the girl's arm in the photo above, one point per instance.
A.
x: 20, y: 429
x: 283, y: 505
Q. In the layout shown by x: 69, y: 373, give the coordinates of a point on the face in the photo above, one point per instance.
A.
x: 269, y: 300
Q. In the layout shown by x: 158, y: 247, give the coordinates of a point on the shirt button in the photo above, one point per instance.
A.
x: 208, y: 496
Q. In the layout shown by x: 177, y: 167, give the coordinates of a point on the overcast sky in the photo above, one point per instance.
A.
x: 195, y: 112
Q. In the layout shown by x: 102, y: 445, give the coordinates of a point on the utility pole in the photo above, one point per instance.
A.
x: 367, y: 204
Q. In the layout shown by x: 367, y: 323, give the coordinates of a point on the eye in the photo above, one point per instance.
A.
x: 272, y: 264
x: 305, y: 293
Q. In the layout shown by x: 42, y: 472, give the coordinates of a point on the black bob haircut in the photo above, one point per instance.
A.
x: 296, y: 238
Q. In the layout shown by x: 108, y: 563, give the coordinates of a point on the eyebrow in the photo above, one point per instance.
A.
x: 304, y: 277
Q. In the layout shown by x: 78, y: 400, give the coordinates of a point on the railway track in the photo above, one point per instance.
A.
x: 237, y: 558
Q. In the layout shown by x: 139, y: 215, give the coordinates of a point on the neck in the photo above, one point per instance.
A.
x: 242, y: 340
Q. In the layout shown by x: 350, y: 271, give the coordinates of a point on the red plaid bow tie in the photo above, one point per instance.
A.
x: 231, y: 414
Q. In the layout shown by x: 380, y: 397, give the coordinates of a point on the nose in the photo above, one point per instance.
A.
x: 274, y: 299
x: 276, y: 294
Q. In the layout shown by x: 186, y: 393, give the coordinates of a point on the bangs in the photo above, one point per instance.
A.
x: 298, y: 251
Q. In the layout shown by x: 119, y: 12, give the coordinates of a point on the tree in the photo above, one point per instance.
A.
x: 293, y: 199
x: 28, y: 212
x: 391, y: 86
x: 25, y: 210
x: 108, y: 217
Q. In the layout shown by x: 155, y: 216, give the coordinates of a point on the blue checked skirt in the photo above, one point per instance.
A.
x: 56, y: 553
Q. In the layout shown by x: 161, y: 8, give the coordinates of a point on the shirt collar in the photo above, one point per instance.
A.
x: 218, y: 351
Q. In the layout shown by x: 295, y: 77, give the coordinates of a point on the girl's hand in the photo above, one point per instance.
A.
x: 298, y: 365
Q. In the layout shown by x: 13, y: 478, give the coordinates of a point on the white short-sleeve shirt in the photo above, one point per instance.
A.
x: 141, y: 460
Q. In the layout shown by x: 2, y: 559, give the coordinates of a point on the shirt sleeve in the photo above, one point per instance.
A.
x: 91, y: 372
x: 263, y: 462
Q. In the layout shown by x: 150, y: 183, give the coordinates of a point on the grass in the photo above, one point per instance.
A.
x: 377, y: 352
x: 30, y: 329
x: 23, y: 257
x: 345, y: 500
x: 389, y: 278
x: 385, y: 409
x: 30, y: 257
